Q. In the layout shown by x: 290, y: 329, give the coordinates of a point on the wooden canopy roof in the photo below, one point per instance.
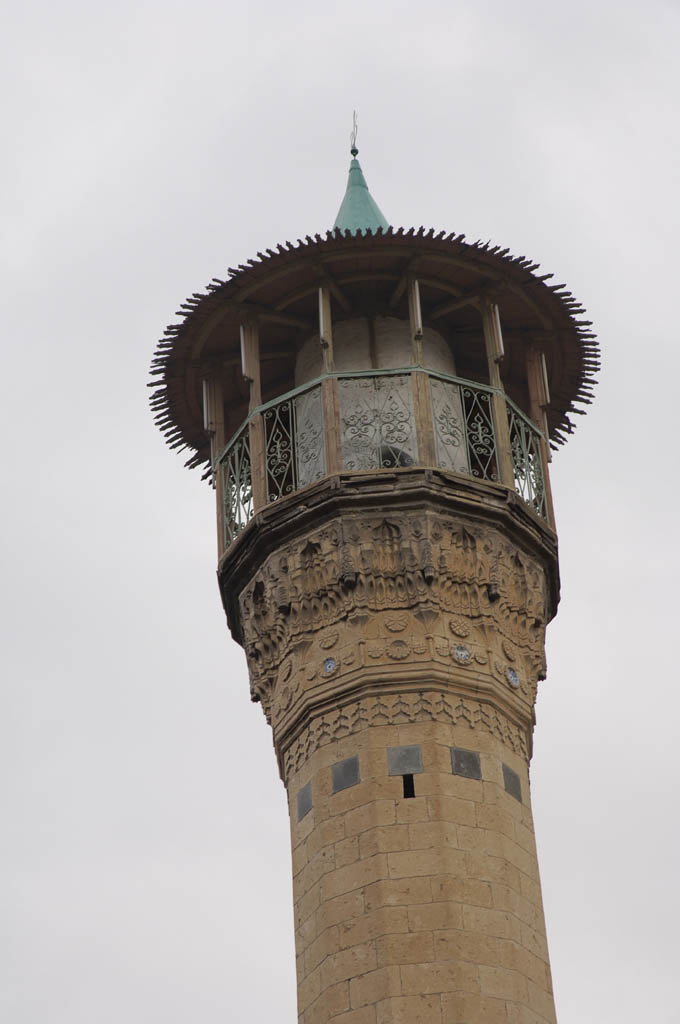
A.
x: 367, y: 273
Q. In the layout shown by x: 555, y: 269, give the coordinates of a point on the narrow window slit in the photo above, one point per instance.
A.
x: 409, y: 786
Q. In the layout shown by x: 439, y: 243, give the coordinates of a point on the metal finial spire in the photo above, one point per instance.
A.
x: 353, y: 134
x: 358, y: 211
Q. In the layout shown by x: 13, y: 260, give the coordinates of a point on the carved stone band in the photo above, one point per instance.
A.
x: 400, y: 709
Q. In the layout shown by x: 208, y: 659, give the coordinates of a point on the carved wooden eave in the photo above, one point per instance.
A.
x: 366, y: 273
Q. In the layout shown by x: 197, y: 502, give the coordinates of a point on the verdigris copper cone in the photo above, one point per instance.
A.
x: 359, y: 211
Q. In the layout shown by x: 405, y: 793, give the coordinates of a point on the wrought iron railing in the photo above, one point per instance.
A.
x: 294, y: 444
x: 464, y: 434
x: 378, y: 431
x: 377, y: 421
x: 237, y: 484
x: 527, y: 461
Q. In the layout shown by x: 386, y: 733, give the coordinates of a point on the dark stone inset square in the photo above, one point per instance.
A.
x: 405, y: 760
x: 512, y: 784
x: 345, y: 773
x: 304, y: 801
x: 466, y: 762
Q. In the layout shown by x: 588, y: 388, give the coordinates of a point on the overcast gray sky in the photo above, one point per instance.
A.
x: 147, y: 147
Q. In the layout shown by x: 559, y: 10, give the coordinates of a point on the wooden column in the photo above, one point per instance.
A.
x: 329, y: 386
x: 493, y: 339
x: 250, y: 367
x: 422, y: 403
x: 420, y: 382
x: 415, y: 316
x: 213, y: 422
x: 539, y: 400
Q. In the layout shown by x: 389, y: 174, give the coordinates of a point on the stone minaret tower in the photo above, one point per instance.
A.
x: 374, y: 409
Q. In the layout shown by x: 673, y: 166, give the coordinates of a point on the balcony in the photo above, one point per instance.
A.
x: 377, y: 420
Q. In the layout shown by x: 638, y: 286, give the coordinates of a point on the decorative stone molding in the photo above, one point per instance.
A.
x: 407, y: 596
x: 399, y: 709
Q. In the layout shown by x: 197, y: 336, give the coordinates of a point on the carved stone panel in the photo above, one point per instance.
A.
x: 395, y: 600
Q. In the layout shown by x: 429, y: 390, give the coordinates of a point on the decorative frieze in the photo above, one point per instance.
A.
x: 400, y: 709
x: 411, y: 594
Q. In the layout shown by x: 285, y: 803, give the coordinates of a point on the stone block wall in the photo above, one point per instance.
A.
x: 395, y: 644
x: 422, y: 909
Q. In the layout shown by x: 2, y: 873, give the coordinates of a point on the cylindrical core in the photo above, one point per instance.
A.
x: 373, y: 343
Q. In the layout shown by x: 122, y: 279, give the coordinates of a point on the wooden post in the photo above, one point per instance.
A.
x: 213, y: 422
x: 415, y: 316
x: 250, y: 362
x: 420, y: 382
x: 493, y: 339
x: 250, y: 367
x: 331, y: 423
x: 329, y: 386
x: 326, y: 329
x: 422, y: 402
x: 539, y: 400
x: 258, y: 464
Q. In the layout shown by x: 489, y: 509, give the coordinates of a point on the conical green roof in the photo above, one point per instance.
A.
x: 359, y: 211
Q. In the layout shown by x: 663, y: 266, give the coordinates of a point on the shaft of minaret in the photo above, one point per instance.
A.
x: 375, y: 409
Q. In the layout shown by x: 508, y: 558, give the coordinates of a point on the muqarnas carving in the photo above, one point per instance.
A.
x: 405, y: 591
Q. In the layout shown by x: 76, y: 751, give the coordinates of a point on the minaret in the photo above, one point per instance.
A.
x: 374, y: 408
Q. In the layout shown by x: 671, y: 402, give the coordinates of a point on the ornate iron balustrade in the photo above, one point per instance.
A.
x: 527, y: 462
x: 377, y: 431
x: 464, y: 434
x: 377, y: 421
x: 294, y: 443
x: 237, y: 484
